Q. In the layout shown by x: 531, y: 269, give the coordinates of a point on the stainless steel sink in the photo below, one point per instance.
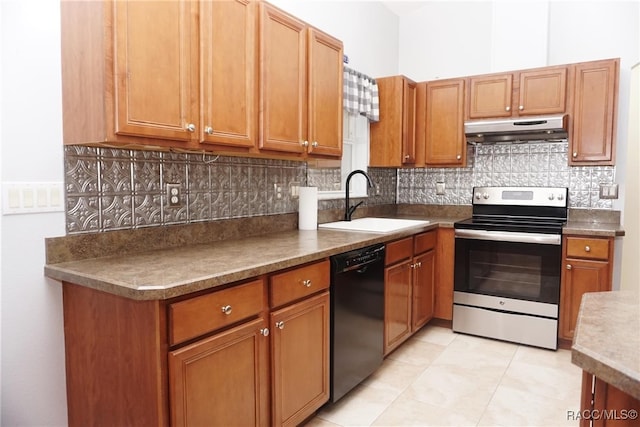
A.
x: 374, y: 225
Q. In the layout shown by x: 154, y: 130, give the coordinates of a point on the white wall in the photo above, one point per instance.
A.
x: 33, y: 373
x: 368, y: 30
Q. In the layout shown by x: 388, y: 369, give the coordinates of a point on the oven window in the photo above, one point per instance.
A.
x: 511, y: 270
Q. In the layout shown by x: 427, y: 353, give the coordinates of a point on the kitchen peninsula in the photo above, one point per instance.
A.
x: 606, y: 347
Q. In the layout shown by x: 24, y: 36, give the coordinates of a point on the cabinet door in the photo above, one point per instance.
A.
x: 409, y: 98
x: 201, y: 393
x: 579, y: 277
x: 325, y: 94
x: 594, y: 112
x: 283, y: 77
x: 445, y: 142
x: 445, y: 251
x: 490, y: 96
x: 300, y: 359
x: 422, y: 293
x: 228, y: 61
x: 156, y: 76
x: 397, y: 305
x: 543, y: 91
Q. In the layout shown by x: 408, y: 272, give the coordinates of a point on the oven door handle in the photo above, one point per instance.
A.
x: 510, y: 236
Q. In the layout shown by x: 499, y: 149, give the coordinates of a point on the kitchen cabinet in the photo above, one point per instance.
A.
x: 228, y: 76
x: 445, y: 251
x: 409, y: 287
x: 249, y: 353
x: 609, y: 406
x: 592, y: 137
x: 445, y: 143
x: 537, y: 91
x: 393, y: 138
x: 128, y: 79
x: 588, y: 267
x: 300, y: 342
x: 301, y: 86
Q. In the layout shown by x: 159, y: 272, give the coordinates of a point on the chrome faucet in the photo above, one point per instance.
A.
x: 348, y: 210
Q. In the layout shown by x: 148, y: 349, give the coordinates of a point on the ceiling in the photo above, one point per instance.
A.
x: 403, y: 7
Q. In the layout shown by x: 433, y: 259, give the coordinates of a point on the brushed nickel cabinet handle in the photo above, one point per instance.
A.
x: 507, y: 108
x: 208, y: 130
x: 264, y: 332
x: 587, y: 249
x: 568, y: 266
x: 280, y: 325
x: 226, y: 309
x: 191, y: 127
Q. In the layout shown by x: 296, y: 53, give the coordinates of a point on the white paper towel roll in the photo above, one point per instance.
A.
x: 308, y: 208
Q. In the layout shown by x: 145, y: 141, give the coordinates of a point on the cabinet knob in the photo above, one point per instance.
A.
x: 280, y: 325
x: 208, y: 130
x: 305, y: 143
x: 314, y: 144
x: 575, y: 154
x: 412, y: 266
x: 191, y: 127
x: 568, y: 266
x: 407, y: 157
x: 587, y: 249
x: 507, y: 108
x: 307, y: 283
x: 226, y: 309
x: 419, y: 264
x: 521, y: 107
x: 458, y: 157
x: 264, y: 332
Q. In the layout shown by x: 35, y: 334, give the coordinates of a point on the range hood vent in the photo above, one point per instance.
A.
x: 543, y: 128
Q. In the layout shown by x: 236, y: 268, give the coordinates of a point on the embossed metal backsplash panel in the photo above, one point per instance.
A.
x: 111, y: 189
x: 532, y: 164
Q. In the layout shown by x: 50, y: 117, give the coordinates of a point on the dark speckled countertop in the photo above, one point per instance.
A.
x: 166, y: 262
x: 607, y: 339
x: 172, y: 272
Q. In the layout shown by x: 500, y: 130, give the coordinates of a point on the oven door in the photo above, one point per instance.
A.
x: 521, y: 266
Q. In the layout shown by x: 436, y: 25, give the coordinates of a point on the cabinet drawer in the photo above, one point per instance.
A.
x: 196, y: 316
x: 299, y: 282
x: 424, y: 242
x: 398, y: 251
x: 587, y: 247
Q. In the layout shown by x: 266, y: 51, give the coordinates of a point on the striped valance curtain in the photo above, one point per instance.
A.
x: 361, y: 95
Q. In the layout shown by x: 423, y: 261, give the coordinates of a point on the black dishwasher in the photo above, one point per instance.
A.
x: 357, y: 317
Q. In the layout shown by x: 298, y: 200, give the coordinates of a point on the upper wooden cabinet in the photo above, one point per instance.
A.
x: 393, y: 138
x: 445, y: 144
x: 301, y: 86
x: 592, y: 136
x: 127, y: 78
x: 191, y: 78
x: 228, y: 74
x: 528, y: 92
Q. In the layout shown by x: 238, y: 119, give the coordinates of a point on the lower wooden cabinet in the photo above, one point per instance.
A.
x: 255, y: 353
x: 445, y: 251
x: 233, y: 367
x: 603, y: 405
x: 409, y: 287
x: 587, y: 267
x: 300, y: 359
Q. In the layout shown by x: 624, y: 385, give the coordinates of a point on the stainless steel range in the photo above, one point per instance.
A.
x: 507, y: 265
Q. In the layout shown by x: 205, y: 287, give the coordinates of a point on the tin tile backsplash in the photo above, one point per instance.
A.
x: 111, y: 189
x: 532, y: 164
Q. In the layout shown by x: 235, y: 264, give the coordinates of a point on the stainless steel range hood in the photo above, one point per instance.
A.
x: 541, y: 128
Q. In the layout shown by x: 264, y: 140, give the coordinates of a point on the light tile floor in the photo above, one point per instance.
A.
x: 441, y: 378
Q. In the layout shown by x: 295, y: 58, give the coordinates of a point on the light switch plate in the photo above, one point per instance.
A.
x: 32, y: 197
x: 440, y: 188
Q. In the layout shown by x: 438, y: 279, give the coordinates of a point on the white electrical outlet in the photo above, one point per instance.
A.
x: 440, y: 188
x: 608, y: 191
x: 278, y: 189
x: 173, y: 195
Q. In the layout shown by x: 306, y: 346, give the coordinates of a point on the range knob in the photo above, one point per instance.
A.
x: 560, y: 197
x: 485, y: 196
x: 477, y: 196
x: 551, y: 196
